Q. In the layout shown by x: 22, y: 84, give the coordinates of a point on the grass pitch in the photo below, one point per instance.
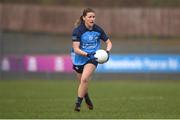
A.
x: 112, y: 99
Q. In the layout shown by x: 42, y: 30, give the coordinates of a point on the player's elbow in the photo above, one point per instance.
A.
x: 109, y: 44
x: 76, y: 50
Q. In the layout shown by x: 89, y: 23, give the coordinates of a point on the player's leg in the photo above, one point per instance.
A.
x: 79, y: 99
x: 86, y: 75
x: 86, y: 97
x: 88, y: 101
x: 78, y: 71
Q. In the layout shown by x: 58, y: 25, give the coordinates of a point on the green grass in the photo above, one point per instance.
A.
x: 112, y: 99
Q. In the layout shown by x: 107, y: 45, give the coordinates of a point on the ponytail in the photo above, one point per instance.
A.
x: 79, y: 21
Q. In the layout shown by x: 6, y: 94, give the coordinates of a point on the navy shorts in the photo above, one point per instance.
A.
x: 80, y: 68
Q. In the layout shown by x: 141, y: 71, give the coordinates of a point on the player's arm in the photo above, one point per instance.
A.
x: 108, y: 44
x: 105, y: 38
x: 76, y: 45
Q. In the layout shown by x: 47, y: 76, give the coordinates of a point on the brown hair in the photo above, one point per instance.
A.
x: 80, y: 20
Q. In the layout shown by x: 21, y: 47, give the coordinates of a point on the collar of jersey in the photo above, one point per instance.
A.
x: 87, y: 28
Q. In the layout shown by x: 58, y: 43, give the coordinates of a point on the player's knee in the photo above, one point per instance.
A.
x: 84, y: 81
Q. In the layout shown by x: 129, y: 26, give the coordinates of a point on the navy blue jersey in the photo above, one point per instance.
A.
x: 89, y: 41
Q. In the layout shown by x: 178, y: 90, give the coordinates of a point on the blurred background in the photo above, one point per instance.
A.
x: 35, y: 38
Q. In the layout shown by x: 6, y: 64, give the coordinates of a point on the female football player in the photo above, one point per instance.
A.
x: 86, y: 38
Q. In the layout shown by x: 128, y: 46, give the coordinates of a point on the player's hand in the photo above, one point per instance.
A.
x: 91, y: 56
x: 108, y: 52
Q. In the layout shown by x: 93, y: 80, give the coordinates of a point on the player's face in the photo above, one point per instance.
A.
x: 89, y: 19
